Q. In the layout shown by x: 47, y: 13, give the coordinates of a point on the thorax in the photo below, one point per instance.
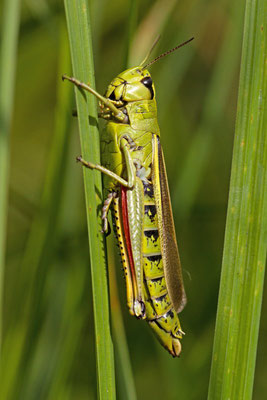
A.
x: 142, y: 125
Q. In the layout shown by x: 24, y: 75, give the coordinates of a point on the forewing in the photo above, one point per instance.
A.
x: 170, y: 254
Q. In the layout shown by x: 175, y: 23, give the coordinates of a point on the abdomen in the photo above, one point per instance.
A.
x: 159, y: 311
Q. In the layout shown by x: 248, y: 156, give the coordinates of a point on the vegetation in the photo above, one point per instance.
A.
x: 48, y: 286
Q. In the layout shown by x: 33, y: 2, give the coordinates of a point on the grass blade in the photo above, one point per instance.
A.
x: 238, y: 315
x: 7, y: 77
x: 78, y: 22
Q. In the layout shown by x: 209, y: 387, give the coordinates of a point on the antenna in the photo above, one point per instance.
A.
x: 166, y: 53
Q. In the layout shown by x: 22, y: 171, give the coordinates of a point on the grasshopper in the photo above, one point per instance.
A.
x: 136, y: 189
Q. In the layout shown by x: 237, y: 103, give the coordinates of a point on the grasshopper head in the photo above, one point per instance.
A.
x: 131, y: 85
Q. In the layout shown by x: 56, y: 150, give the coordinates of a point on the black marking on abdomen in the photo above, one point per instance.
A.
x: 163, y: 317
x: 152, y: 234
x: 168, y: 314
x: 154, y: 280
x: 160, y: 298
x: 148, y: 189
x: 151, y: 212
x: 161, y: 327
x: 154, y: 258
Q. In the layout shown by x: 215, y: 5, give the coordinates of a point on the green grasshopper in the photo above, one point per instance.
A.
x: 135, y: 184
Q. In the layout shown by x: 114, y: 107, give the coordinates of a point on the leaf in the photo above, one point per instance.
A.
x: 242, y: 278
x: 78, y: 22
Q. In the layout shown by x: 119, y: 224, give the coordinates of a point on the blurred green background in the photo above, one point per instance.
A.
x: 48, y: 335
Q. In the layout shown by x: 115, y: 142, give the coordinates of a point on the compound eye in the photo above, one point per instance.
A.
x: 147, y: 81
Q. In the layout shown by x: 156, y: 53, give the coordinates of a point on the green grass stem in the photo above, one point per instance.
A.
x: 244, y: 256
x: 78, y: 21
